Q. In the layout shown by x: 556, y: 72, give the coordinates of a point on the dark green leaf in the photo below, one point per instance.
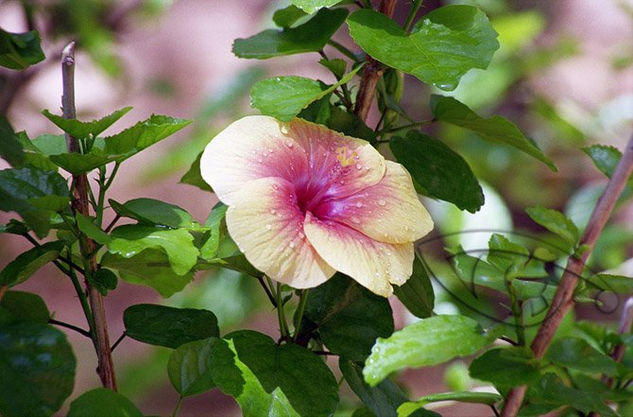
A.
x: 10, y: 147
x: 130, y: 240
x: 494, y: 129
x: 37, y: 367
x: 104, y: 280
x: 303, y: 378
x: 308, y: 37
x: 151, y: 268
x: 87, y: 227
x: 348, y: 317
x: 489, y: 398
x: 284, y: 97
x: 286, y: 17
x: 20, y: 50
x: 310, y: 6
x: 417, y: 293
x: 439, y: 172
x: 103, y: 402
x: 151, y: 211
x: 382, y: 399
x: 556, y: 222
x: 189, y: 366
x: 34, y: 194
x: 506, y: 367
x: 81, y: 130
x: 349, y: 124
x: 337, y: 66
x: 142, y: 135
x: 27, y: 263
x: 26, y: 306
x: 194, y: 177
x: 443, y: 46
x: 577, y: 354
x: 168, y: 326
x: 430, y: 341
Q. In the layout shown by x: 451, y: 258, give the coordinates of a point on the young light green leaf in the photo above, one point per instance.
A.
x: 428, y: 342
x: 506, y: 367
x: 102, y: 402
x: 310, y: 6
x: 556, y: 222
x: 81, y: 130
x: 347, y: 317
x: 168, y: 326
x: 576, y: 353
x: 494, y: 129
x: 443, y: 45
x: 155, y: 212
x: 38, y: 369
x: 26, y: 306
x: 286, y: 17
x: 27, y: 263
x: 406, y: 409
x: 417, y: 293
x: 20, y: 50
x: 612, y: 283
x: 284, y: 97
x: 308, y: 37
x: 87, y: 227
x: 132, y: 239
x: 10, y: 146
x: 151, y: 267
x: 438, y: 171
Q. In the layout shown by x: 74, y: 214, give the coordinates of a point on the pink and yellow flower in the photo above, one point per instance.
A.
x: 305, y: 201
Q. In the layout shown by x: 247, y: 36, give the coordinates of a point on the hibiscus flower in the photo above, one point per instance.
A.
x: 305, y: 201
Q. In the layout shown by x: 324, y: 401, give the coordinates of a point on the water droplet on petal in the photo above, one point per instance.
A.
x: 359, y: 166
x: 289, y: 144
x: 359, y: 204
x: 355, y: 219
x: 292, y: 244
x: 382, y: 202
x: 269, y: 227
x: 259, y: 160
x: 273, y: 211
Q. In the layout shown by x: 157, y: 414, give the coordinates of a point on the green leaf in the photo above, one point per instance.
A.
x: 27, y: 263
x: 348, y: 317
x: 303, y: 378
x: 155, y: 212
x: 87, y: 227
x: 417, y: 293
x: 428, y: 342
x: 102, y: 402
x: 284, y: 97
x: 506, y: 367
x: 310, y: 6
x: 614, y: 283
x: 26, y: 306
x: 438, y: 171
x: 382, y: 400
x: 50, y: 144
x: 215, y: 223
x: 81, y: 130
x: 142, y: 135
x: 349, y: 124
x: 489, y: 398
x: 508, y: 257
x: 168, y: 326
x: 604, y: 157
x: 10, y: 146
x: 194, y: 177
x: 103, y: 280
x: 20, y: 50
x: 337, y: 66
x: 494, y: 129
x: 132, y: 239
x: 556, y: 222
x: 37, y: 367
x: 151, y: 268
x: 443, y: 45
x: 286, y: 17
x: 308, y: 37
x: 77, y: 163
x: 34, y: 194
x: 189, y: 366
x: 577, y: 354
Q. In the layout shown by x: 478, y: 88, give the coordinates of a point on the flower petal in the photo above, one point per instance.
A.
x: 389, y: 211
x: 375, y: 265
x: 250, y: 148
x: 339, y: 165
x: 267, y: 226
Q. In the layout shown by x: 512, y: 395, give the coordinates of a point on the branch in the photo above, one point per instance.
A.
x: 80, y: 204
x: 372, y: 72
x: 563, y: 300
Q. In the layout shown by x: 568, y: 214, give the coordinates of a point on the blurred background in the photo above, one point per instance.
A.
x: 564, y: 74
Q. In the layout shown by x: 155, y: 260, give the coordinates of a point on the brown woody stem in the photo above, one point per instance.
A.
x: 563, y: 300
x: 80, y: 204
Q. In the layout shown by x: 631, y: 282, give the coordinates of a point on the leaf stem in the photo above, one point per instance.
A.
x: 177, y: 408
x: 281, y: 317
x: 342, y: 49
x: 269, y: 294
x: 70, y: 326
x: 563, y: 299
x: 119, y: 340
x: 301, y: 308
x: 3, y: 291
x: 415, y: 6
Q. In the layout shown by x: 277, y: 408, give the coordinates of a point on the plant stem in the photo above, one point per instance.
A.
x: 3, y: 291
x: 80, y: 204
x: 177, y: 408
x: 372, y: 72
x: 270, y: 295
x: 624, y: 326
x: 563, y: 299
x: 301, y: 308
x: 351, y: 55
x: 414, y: 10
x: 70, y: 326
x: 119, y: 340
x: 281, y: 317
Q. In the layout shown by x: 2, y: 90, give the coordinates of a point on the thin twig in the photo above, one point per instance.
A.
x: 3, y: 291
x: 563, y: 299
x: 271, y: 297
x: 70, y: 326
x: 626, y: 321
x: 119, y: 340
